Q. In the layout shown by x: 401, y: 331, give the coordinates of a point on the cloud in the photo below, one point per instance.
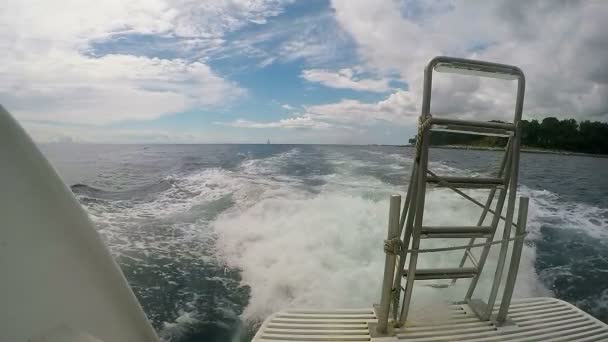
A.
x: 51, y: 70
x: 346, y: 79
x: 313, y: 38
x: 57, y: 133
x: 560, y: 46
x: 195, y: 18
x: 72, y: 88
x: 97, y: 63
x: 399, y: 108
x: 300, y: 122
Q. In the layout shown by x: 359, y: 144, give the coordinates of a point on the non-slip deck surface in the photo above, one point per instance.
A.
x: 536, y: 319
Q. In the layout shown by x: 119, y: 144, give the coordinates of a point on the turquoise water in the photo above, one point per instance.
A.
x: 213, y: 238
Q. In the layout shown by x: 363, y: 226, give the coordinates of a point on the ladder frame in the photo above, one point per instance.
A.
x: 413, y: 210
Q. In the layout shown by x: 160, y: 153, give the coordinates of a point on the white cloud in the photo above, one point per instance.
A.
x: 72, y: 88
x: 312, y: 38
x: 286, y: 106
x: 346, y: 79
x: 49, y: 74
x: 399, y: 108
x: 52, y: 70
x: 302, y: 49
x: 196, y: 18
x: 561, y: 46
x: 53, y: 133
x: 300, y: 122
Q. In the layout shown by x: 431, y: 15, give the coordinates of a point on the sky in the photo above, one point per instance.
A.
x: 308, y: 71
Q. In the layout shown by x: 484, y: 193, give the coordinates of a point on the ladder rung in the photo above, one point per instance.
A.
x: 444, y: 273
x: 474, y: 124
x: 495, y: 132
x: 466, y: 182
x: 455, y: 232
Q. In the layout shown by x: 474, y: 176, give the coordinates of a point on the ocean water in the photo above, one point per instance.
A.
x: 213, y: 238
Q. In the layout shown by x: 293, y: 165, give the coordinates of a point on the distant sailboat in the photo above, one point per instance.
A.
x: 268, y: 142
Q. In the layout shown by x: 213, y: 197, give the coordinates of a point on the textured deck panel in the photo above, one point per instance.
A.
x: 536, y: 319
x: 317, y: 325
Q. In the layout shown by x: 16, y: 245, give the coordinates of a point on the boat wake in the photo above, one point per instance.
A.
x: 208, y: 248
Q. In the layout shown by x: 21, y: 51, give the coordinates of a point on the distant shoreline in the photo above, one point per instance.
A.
x: 524, y: 149
x: 454, y: 147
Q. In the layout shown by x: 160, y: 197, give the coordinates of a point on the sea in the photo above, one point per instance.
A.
x: 214, y: 238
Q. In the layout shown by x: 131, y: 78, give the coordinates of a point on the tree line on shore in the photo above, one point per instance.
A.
x: 550, y: 133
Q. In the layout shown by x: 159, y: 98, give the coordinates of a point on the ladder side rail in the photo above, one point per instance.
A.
x: 521, y: 87
x: 420, y: 188
x: 522, y: 218
x: 389, y: 263
x: 495, y: 220
x: 479, y: 223
x: 508, y: 222
x: 396, y: 290
x: 407, y: 294
x: 407, y: 218
x: 486, y: 250
x: 484, y: 212
x: 408, y: 197
x: 519, y: 102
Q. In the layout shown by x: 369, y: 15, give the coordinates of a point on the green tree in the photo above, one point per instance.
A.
x: 567, y: 135
x: 530, y: 132
x: 593, y: 137
x: 549, y: 129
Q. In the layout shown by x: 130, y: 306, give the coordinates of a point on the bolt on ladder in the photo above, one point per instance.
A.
x: 410, y: 222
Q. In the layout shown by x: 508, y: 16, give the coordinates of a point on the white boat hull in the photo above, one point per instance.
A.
x: 59, y: 281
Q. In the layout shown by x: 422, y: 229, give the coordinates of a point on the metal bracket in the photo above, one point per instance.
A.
x: 393, y: 246
x: 376, y: 336
x: 478, y: 306
x: 373, y: 326
x: 507, y: 325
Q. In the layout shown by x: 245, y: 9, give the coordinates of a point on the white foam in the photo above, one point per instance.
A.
x: 547, y: 208
x: 299, y: 249
x: 176, y: 330
x: 321, y: 251
x: 321, y: 248
x: 268, y: 166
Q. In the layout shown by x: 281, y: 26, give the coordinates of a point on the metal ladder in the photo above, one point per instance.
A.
x: 410, y: 221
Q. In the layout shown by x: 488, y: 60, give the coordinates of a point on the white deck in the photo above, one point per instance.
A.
x: 536, y: 319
